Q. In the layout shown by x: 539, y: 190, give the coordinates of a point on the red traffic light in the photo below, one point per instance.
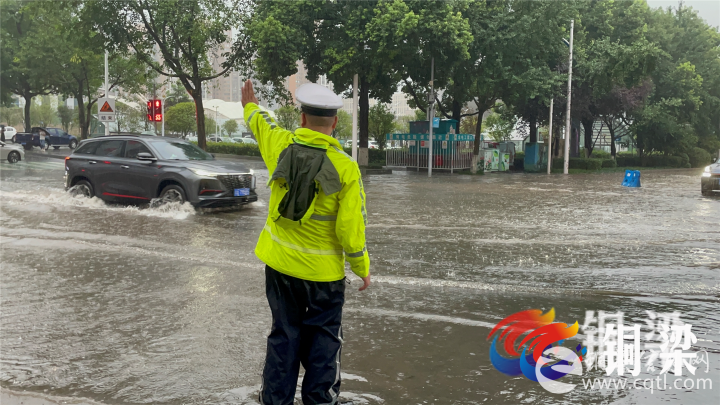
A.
x: 158, y: 104
x: 150, y: 117
x: 158, y: 117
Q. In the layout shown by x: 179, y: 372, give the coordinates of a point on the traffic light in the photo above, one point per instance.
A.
x: 154, y: 110
x: 158, y: 110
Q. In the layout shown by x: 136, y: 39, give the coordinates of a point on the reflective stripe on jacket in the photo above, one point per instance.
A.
x: 317, y: 249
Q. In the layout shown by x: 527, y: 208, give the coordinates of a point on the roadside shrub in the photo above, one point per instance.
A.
x: 609, y: 163
x: 376, y: 157
x: 699, y: 157
x: 520, y: 155
x: 593, y: 164
x: 600, y: 154
x: 557, y: 163
x: 230, y: 148
x: 685, y: 159
x: 628, y: 161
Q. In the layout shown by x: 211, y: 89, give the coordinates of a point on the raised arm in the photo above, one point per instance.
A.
x: 270, y: 137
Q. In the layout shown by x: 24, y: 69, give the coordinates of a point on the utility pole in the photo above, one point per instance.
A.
x: 549, y: 148
x: 431, y: 113
x: 217, y: 125
x: 355, y: 119
x: 107, y: 89
x: 566, y: 162
x: 162, y: 133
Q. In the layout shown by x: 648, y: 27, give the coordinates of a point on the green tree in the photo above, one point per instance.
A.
x: 180, y: 118
x: 186, y: 34
x: 500, y: 123
x: 343, y: 129
x: 211, y: 126
x: 12, y: 116
x: 382, y: 122
x: 681, y: 111
x: 128, y: 118
x: 43, y: 113
x: 288, y: 117
x: 66, y: 116
x: 373, y: 39
x: 230, y: 127
x: 178, y: 94
x: 28, y: 48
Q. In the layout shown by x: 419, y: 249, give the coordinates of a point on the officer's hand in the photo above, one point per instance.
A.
x: 248, y: 94
x: 366, y: 282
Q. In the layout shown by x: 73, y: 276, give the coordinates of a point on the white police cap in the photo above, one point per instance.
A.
x: 317, y: 100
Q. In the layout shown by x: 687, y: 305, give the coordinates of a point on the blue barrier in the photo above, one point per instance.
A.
x: 631, y: 179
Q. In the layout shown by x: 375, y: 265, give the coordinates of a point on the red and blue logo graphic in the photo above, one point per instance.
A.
x: 542, y: 334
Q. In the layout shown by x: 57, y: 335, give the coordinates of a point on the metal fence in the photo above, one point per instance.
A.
x: 449, y: 153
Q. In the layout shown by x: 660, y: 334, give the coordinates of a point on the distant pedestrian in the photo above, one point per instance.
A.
x: 316, y: 222
x: 2, y: 133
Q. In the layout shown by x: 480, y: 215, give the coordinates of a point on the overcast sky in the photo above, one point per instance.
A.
x: 707, y: 9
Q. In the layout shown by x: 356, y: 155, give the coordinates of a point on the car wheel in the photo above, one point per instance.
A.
x: 13, y: 157
x: 56, y: 147
x: 82, y: 188
x: 72, y: 144
x: 172, y: 193
x: 27, y: 146
x: 706, y: 193
x: 13, y: 139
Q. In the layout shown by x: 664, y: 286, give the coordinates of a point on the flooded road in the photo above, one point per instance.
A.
x: 126, y: 305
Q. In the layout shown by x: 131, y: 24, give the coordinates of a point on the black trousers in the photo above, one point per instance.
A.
x: 306, y: 329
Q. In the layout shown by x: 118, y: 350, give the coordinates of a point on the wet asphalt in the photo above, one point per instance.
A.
x: 166, y: 305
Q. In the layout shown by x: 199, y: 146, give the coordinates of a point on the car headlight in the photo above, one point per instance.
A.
x: 706, y: 172
x: 203, y: 172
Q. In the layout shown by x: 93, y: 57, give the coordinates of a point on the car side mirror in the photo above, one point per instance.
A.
x: 714, y: 160
x: 146, y: 157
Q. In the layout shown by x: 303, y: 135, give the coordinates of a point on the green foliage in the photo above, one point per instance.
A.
x: 66, y: 116
x: 43, y: 113
x: 500, y: 123
x: 230, y: 127
x: 628, y: 161
x: 130, y: 119
x: 579, y: 163
x: 420, y: 115
x: 288, y: 117
x: 177, y: 38
x: 180, y: 118
x: 12, y: 116
x: 608, y: 163
x: 232, y: 148
x: 376, y: 157
x: 381, y: 123
x: 343, y: 130
x: 699, y: 157
x: 211, y: 127
x: 177, y: 95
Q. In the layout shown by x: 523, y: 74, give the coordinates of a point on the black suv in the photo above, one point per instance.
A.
x: 136, y: 168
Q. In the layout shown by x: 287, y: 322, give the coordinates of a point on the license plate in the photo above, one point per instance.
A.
x: 240, y: 192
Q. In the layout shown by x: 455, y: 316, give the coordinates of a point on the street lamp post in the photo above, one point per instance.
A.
x: 216, y: 121
x: 566, y: 162
x: 431, y: 114
x: 549, y: 151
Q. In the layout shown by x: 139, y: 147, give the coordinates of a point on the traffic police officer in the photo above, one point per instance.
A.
x: 316, y: 222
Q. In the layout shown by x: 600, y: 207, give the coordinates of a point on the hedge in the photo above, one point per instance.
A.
x: 699, y: 157
x: 579, y: 163
x: 609, y: 163
x: 375, y: 156
x: 230, y: 148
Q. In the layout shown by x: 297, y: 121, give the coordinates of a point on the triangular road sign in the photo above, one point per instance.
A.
x: 106, y: 108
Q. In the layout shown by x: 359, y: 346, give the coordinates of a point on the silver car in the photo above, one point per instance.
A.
x: 13, y: 153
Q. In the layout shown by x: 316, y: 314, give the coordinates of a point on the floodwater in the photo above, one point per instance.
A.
x: 126, y: 305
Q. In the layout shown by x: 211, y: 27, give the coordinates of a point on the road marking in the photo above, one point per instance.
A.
x: 25, y: 165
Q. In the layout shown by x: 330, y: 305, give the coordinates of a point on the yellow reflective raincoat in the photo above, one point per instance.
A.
x: 333, y: 229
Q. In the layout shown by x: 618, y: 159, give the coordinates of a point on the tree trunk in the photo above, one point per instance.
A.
x: 200, y: 114
x: 363, y: 121
x: 28, y: 101
x: 88, y: 118
x: 456, y: 112
x: 533, y: 130
x: 613, y: 150
x: 588, y: 129
x: 81, y: 114
x: 476, y: 146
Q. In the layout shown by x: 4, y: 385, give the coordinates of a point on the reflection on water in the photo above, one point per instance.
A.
x: 127, y: 305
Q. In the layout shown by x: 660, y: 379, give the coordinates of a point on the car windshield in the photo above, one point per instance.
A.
x: 180, y: 151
